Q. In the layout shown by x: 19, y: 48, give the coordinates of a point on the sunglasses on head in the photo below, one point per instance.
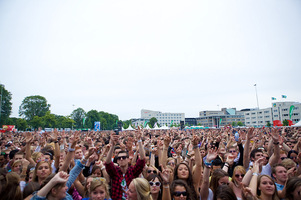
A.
x: 123, y: 157
x: 238, y: 175
x: 177, y: 194
x: 154, y: 183
x: 150, y: 171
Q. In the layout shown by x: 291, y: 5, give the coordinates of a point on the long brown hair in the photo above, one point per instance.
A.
x: 275, y: 195
x: 216, y: 176
x: 12, y: 188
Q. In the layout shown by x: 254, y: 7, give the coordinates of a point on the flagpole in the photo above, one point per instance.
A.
x: 256, y: 96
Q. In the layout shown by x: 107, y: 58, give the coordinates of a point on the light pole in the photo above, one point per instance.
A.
x: 256, y: 96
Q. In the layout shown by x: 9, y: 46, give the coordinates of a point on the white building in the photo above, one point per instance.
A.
x: 163, y: 118
x: 278, y: 111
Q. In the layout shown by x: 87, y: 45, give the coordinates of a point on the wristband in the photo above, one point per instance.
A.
x: 255, y: 174
x: 102, y: 168
x: 140, y: 140
x: 71, y: 150
x: 165, y: 186
x: 208, y: 164
x: 195, y: 147
x: 56, y: 141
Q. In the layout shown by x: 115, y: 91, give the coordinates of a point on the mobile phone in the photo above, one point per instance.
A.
x: 236, y: 136
x: 116, y: 131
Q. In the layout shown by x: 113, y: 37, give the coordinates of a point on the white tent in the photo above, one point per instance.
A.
x: 147, y: 127
x: 129, y: 128
x: 297, y: 124
x: 164, y: 127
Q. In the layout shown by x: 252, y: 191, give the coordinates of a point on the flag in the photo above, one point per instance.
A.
x: 171, y: 123
x: 220, y: 120
x: 273, y: 98
x: 145, y: 124
x: 291, y: 110
x: 84, y: 119
x: 284, y: 96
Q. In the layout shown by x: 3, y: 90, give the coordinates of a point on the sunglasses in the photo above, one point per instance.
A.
x: 154, y: 183
x: 232, y: 151
x: 282, y: 158
x: 238, y: 175
x: 150, y: 171
x: 177, y: 194
x: 171, y: 163
x: 293, y: 157
x: 123, y: 157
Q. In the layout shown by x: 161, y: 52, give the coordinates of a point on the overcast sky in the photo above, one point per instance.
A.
x: 171, y: 56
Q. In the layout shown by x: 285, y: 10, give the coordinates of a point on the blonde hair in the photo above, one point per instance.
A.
x: 142, y: 188
x: 36, y: 155
x: 97, y: 182
x: 288, y: 163
x: 238, y: 168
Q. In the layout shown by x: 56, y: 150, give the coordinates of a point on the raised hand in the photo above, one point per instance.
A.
x: 212, y: 154
x: 61, y: 177
x: 166, y: 141
x: 275, y: 135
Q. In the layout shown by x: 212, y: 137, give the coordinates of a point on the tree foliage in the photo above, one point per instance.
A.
x: 6, y: 104
x: 239, y: 123
x: 78, y: 116
x: 285, y: 122
x: 33, y: 106
x: 152, y: 121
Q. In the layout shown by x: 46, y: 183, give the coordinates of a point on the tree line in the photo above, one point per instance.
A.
x: 35, y: 112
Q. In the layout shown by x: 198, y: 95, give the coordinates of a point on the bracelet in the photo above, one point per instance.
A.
x: 71, y: 150
x: 140, y: 140
x: 195, y: 147
x: 255, y: 174
x: 275, y: 143
x: 102, y: 168
x: 56, y: 142
x: 165, y: 186
x: 208, y: 164
x: 226, y: 165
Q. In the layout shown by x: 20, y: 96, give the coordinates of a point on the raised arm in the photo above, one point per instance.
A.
x: 212, y: 154
x: 197, y: 175
x: 276, y: 155
x: 247, y: 148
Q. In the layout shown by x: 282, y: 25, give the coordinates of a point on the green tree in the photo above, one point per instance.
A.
x: 91, y: 117
x: 78, y: 115
x: 49, y: 120
x: 20, y: 124
x: 126, y: 123
x: 269, y: 124
x: 233, y: 123
x: 5, y: 104
x: 64, y: 121
x: 33, y: 106
x: 36, y: 122
x: 239, y: 123
x: 285, y: 122
x: 109, y: 121
x: 152, y: 121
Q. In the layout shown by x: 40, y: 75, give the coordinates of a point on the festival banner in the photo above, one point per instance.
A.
x: 96, y: 126
x: 291, y: 110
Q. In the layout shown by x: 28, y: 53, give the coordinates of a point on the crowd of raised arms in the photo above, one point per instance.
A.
x: 223, y: 164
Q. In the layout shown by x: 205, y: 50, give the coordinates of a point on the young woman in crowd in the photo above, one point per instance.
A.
x: 139, y: 189
x: 293, y: 189
x: 156, y: 184
x: 98, y: 190
x: 238, y: 174
x: 42, y: 171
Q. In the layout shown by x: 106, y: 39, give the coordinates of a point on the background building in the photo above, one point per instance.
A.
x: 163, y: 118
x: 214, y: 118
x: 278, y: 111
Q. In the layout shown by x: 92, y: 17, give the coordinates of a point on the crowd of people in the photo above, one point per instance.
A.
x: 209, y: 164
